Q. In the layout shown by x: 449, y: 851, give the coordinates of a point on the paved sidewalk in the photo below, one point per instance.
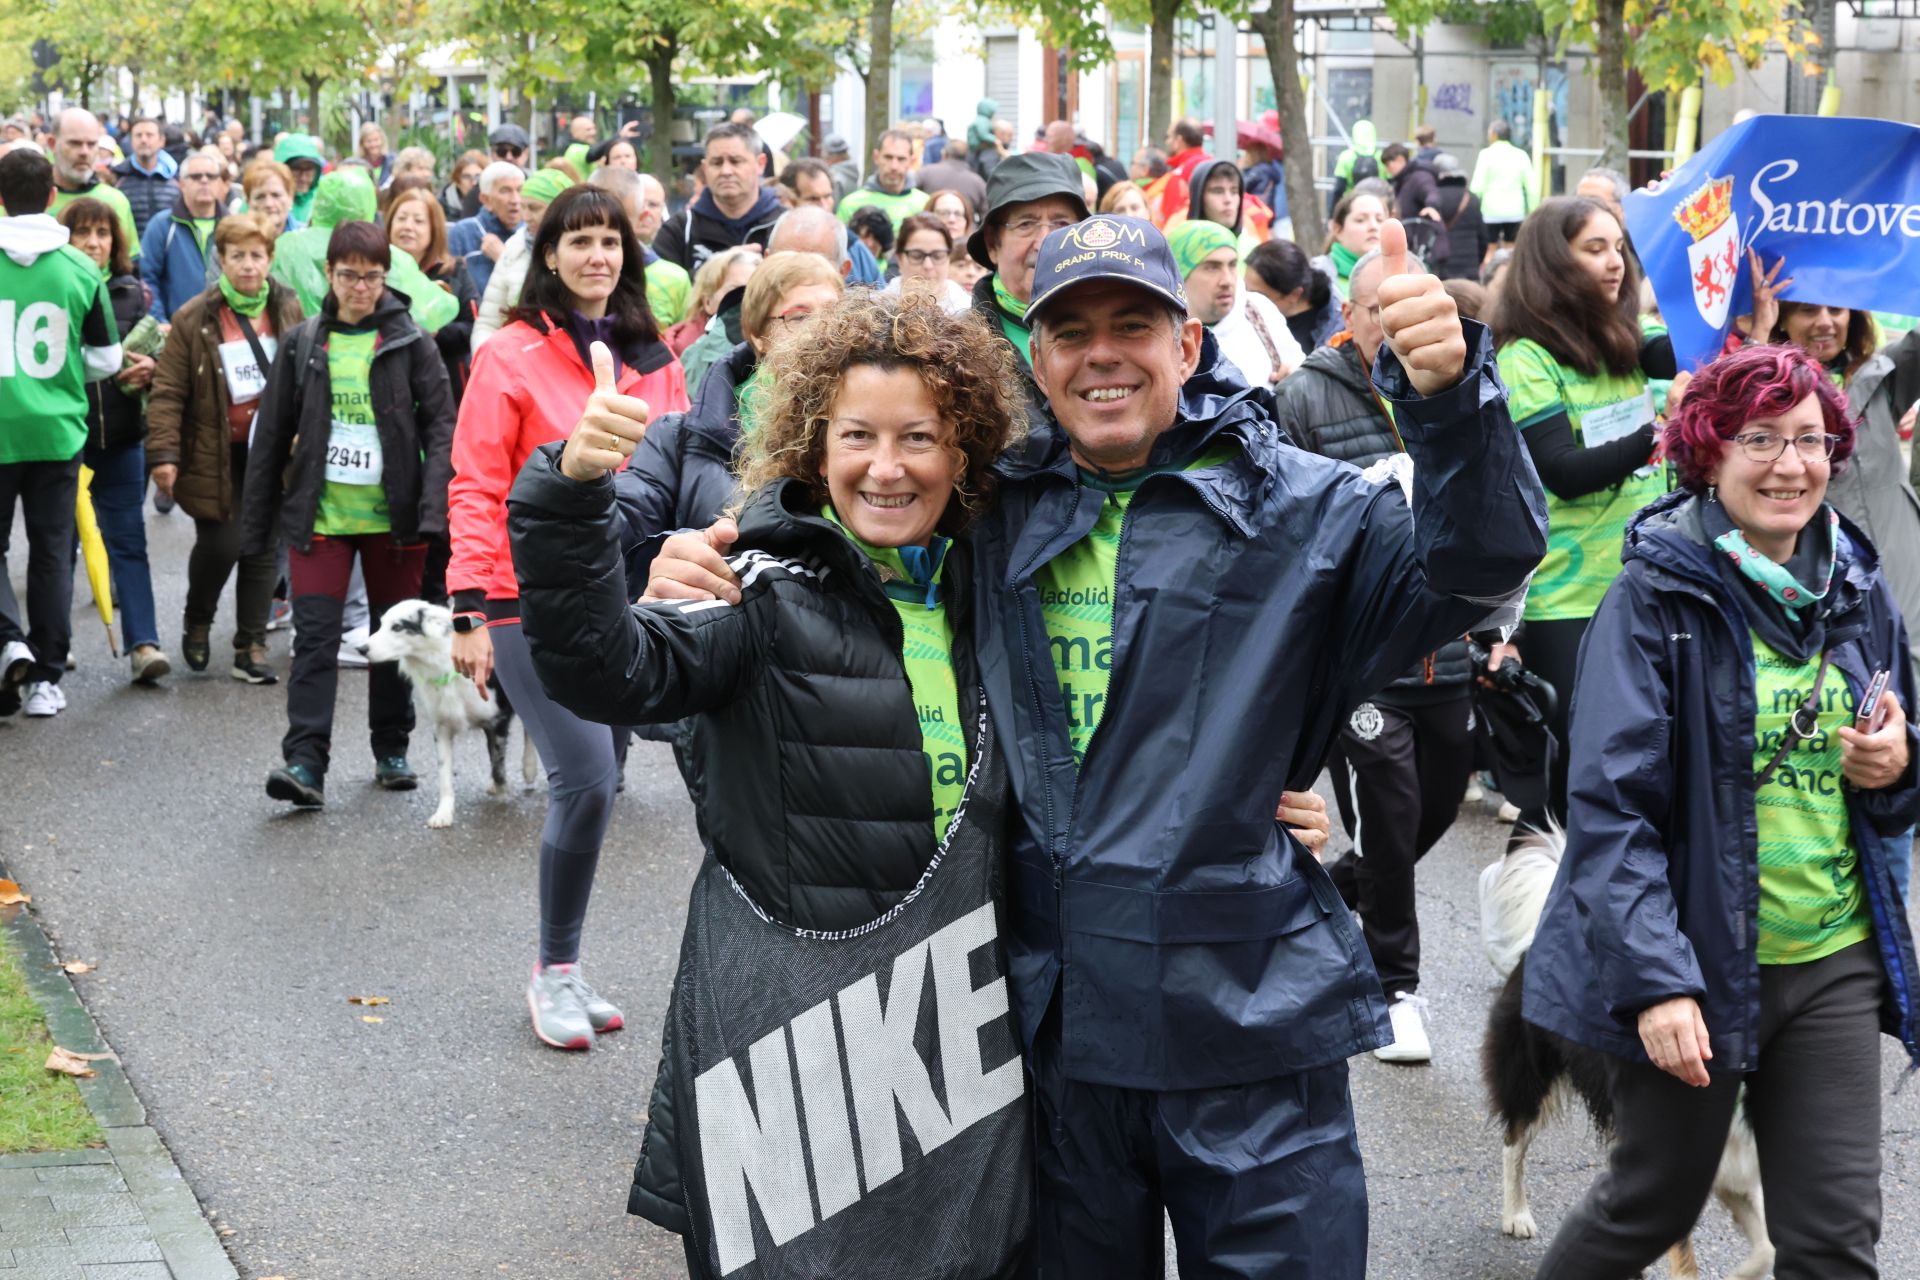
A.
x: 118, y: 1213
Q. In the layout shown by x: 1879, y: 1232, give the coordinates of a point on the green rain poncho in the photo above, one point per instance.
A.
x: 300, y: 257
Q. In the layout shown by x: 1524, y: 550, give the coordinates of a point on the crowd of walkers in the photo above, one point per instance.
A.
x: 924, y: 485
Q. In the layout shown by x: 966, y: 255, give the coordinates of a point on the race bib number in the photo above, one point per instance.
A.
x: 1598, y: 426
x: 353, y: 453
x: 245, y: 378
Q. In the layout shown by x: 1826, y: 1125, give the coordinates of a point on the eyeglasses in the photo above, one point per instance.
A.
x: 1028, y: 228
x: 360, y: 280
x: 506, y: 150
x: 921, y: 257
x: 792, y: 319
x: 1767, y: 446
x: 199, y: 177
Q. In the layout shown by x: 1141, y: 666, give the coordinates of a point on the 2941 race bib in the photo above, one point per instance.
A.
x: 353, y: 453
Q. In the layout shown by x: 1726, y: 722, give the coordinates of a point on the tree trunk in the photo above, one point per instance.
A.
x: 1803, y: 90
x: 314, y: 125
x: 1160, y: 70
x: 660, y: 144
x: 879, y: 72
x: 1303, y: 202
x: 1610, y: 70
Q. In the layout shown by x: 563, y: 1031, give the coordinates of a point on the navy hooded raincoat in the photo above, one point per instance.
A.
x: 1194, y: 943
x: 1658, y: 892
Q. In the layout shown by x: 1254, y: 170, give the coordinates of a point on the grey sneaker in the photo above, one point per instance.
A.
x: 559, y: 1012
x: 601, y: 1012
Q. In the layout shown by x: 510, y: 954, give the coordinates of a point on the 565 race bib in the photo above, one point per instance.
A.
x: 245, y: 378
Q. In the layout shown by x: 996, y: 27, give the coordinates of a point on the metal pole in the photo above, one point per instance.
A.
x: 1226, y: 92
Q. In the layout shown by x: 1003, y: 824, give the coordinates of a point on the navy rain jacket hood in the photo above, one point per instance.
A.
x: 1658, y: 892
x: 1191, y: 941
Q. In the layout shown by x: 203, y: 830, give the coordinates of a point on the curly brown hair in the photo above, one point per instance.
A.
x: 968, y: 372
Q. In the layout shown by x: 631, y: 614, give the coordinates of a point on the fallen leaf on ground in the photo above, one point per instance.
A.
x: 10, y: 894
x: 68, y: 1063
x: 228, y: 1231
x: 92, y: 1057
x: 367, y: 1017
x: 368, y: 1000
x: 78, y: 966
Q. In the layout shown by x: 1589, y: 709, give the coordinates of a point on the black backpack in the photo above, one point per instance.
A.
x: 1364, y: 167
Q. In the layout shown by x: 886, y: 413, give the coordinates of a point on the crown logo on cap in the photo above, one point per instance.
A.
x: 1702, y: 213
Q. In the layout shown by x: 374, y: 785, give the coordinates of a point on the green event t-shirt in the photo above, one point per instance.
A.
x: 1584, y: 533
x: 202, y: 232
x: 1076, y: 598
x: 898, y: 206
x: 926, y: 650
x: 108, y: 195
x: 353, y: 500
x: 1812, y: 899
x: 51, y: 312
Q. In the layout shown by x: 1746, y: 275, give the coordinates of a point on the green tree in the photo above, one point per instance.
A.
x: 1672, y: 44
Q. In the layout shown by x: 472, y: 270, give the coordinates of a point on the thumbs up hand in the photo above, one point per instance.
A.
x: 1419, y: 318
x: 610, y: 428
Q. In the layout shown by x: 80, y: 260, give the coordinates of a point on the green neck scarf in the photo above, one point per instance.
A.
x: 1012, y: 322
x: 1343, y: 260
x: 106, y: 273
x: 1780, y: 586
x: 243, y: 304
x: 906, y: 573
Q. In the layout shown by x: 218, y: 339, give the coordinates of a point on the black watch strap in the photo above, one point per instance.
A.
x: 465, y: 622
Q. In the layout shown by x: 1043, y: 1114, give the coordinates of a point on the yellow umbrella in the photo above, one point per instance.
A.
x: 94, y: 551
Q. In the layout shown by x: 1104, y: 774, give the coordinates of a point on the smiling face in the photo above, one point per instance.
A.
x: 408, y: 228
x: 1600, y: 250
x: 1361, y: 231
x: 1819, y: 331
x: 890, y: 463
x: 1772, y: 502
x: 588, y: 261
x: 1211, y: 285
x: 1111, y: 359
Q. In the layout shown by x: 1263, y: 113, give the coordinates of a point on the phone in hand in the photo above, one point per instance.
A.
x: 1870, y: 716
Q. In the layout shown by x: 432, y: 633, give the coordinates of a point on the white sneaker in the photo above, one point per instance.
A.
x: 353, y: 648
x: 1509, y: 813
x: 1475, y: 792
x: 43, y: 699
x: 1409, y: 1032
x: 16, y: 660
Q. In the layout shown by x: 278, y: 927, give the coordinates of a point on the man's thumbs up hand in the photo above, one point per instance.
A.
x: 1419, y: 317
x: 610, y: 429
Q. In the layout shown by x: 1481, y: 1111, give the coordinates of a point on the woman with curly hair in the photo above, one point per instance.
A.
x: 836, y: 722
x: 1725, y: 922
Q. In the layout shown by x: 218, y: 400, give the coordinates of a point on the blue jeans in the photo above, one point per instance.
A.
x: 119, y: 487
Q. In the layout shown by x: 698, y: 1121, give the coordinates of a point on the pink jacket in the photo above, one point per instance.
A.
x: 527, y: 389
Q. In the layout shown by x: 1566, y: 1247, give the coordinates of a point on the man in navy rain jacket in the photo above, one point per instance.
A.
x: 1179, y: 609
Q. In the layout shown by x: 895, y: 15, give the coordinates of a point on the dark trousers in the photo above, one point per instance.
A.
x: 46, y: 493
x: 1260, y: 1180
x: 216, y: 551
x: 119, y: 491
x: 1551, y: 651
x: 1398, y: 775
x: 1815, y: 1106
x: 320, y: 576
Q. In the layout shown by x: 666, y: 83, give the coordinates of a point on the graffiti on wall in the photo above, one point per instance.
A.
x: 1453, y: 97
x: 1510, y: 98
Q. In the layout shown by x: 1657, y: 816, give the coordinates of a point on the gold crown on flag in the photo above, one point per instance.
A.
x: 1702, y: 212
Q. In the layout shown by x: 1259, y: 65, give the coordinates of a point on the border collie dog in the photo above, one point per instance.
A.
x: 1532, y: 1075
x: 419, y: 636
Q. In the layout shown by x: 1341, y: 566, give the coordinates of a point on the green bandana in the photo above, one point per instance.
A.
x: 1192, y: 241
x: 248, y: 305
x: 545, y: 185
x: 1012, y: 323
x: 1781, y: 587
x: 1343, y: 260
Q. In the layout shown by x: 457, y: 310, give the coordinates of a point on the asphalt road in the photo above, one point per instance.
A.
x: 442, y: 1140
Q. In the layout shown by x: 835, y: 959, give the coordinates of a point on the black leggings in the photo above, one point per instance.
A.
x: 1551, y: 650
x: 582, y: 774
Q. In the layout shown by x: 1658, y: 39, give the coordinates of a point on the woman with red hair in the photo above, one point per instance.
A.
x: 1725, y: 915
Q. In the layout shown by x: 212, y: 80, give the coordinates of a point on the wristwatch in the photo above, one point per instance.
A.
x: 465, y: 622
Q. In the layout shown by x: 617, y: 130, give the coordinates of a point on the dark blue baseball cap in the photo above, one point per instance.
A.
x: 1106, y: 247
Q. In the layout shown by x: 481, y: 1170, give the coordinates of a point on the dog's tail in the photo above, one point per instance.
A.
x: 1513, y: 892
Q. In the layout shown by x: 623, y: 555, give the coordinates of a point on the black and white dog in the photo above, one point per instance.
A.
x: 419, y: 636
x: 1533, y: 1075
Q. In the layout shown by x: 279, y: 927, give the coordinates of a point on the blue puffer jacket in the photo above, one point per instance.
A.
x: 1192, y: 942
x: 171, y: 262
x: 1658, y: 891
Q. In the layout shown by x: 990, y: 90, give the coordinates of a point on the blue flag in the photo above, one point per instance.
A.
x: 1839, y: 199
